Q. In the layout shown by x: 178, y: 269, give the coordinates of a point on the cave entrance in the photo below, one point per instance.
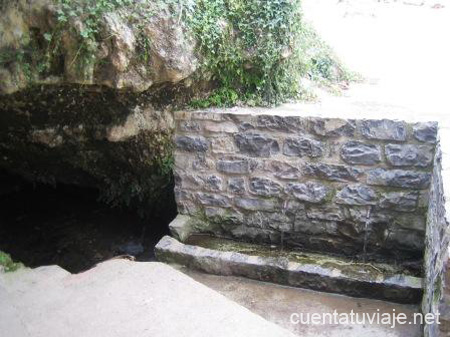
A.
x: 68, y: 226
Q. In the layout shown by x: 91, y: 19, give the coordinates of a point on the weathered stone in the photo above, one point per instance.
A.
x: 325, y: 212
x: 201, y: 162
x: 236, y: 185
x: 255, y: 234
x: 400, y: 201
x: 225, y: 217
x: 409, y: 155
x: 180, y: 227
x: 303, y: 147
x: 224, y: 127
x: 310, y: 191
x: 257, y: 204
x: 212, y: 182
x: 407, y: 239
x: 256, y: 145
x: 213, y: 200
x: 332, y: 172
x: 283, y: 170
x: 267, y: 220
x: 398, y: 178
x: 426, y: 132
x: 354, y: 152
x: 189, y: 126
x: 293, y: 206
x: 264, y: 187
x: 245, y: 126
x: 383, y: 129
x: 171, y: 59
x: 323, y: 273
x: 364, y: 214
x: 277, y: 123
x: 333, y: 127
x: 357, y: 194
x: 222, y: 145
x: 315, y: 227
x: 191, y: 143
x: 409, y: 221
x: 214, y: 212
x: 234, y: 166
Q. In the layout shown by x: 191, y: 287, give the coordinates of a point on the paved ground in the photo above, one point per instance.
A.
x: 398, y: 46
x: 121, y: 298
x: 276, y: 304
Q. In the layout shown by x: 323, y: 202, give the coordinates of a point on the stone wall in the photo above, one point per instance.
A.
x: 436, y: 261
x: 353, y: 187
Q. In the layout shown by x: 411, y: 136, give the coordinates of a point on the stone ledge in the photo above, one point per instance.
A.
x: 339, y: 277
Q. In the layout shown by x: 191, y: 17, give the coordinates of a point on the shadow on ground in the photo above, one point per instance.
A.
x: 68, y: 226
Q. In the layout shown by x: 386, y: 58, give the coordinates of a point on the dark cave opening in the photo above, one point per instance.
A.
x: 68, y: 226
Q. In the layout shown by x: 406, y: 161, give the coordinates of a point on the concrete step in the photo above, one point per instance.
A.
x: 311, y: 271
x: 121, y: 298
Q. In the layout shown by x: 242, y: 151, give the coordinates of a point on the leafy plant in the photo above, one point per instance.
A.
x: 257, y: 50
x: 7, y: 264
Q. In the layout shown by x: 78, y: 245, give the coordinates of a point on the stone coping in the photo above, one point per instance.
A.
x: 396, y: 288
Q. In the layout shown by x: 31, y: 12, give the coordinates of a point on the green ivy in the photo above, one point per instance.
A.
x: 257, y: 50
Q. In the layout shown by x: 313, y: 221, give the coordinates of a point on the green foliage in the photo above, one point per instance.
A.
x: 258, y: 50
x: 7, y: 264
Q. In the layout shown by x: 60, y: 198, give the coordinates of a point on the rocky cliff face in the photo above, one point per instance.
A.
x: 88, y: 88
x: 90, y: 103
x: 128, y: 48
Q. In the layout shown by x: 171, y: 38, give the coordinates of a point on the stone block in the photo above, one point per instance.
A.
x: 357, y: 194
x: 223, y: 127
x: 251, y: 204
x: 191, y: 143
x: 426, y: 132
x: 409, y: 155
x: 398, y: 178
x: 180, y: 227
x: 221, y: 145
x: 333, y: 127
x: 267, y: 220
x: 208, y: 199
x: 410, y: 221
x: 303, y: 147
x: 325, y: 212
x: 406, y: 239
x: 188, y: 126
x: 400, y: 201
x: 277, y: 123
x: 310, y: 191
x: 315, y: 227
x: 265, y: 187
x: 384, y: 129
x: 234, y: 166
x: 236, y: 185
x: 256, y: 145
x: 358, y: 153
x: 332, y: 172
x: 283, y: 170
